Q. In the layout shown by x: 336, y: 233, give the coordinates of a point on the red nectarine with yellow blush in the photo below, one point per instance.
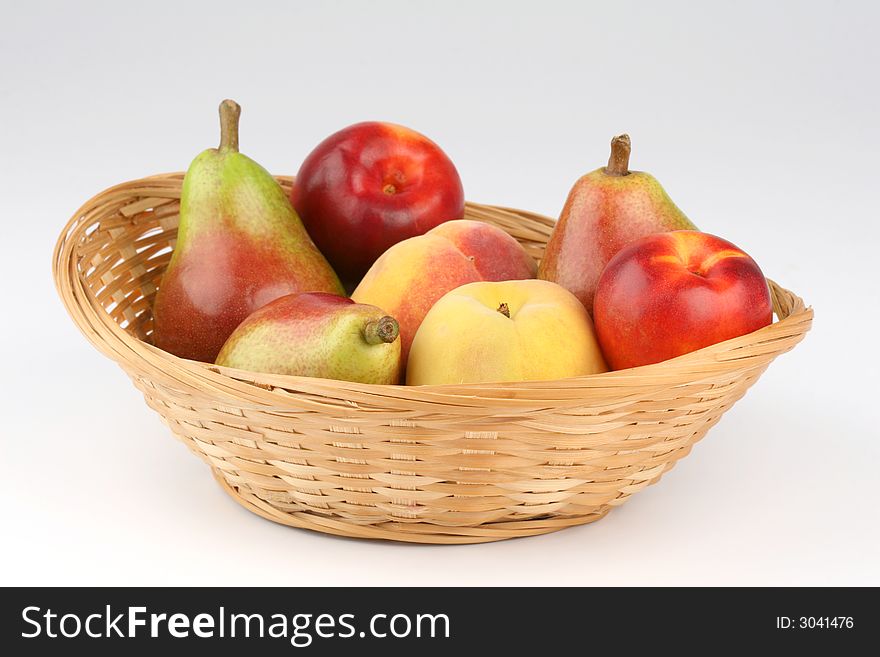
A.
x: 372, y: 185
x: 671, y: 293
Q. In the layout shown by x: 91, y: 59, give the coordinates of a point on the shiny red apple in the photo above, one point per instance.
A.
x: 370, y: 186
x: 671, y: 293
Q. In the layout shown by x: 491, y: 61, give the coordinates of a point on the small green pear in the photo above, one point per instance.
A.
x: 240, y: 245
x: 320, y: 335
x: 606, y: 209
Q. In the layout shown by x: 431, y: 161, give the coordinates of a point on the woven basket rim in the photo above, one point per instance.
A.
x: 794, y: 317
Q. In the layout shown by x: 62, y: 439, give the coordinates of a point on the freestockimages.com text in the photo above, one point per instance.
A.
x: 299, y: 629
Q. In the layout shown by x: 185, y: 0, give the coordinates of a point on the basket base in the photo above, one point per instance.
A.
x: 417, y: 532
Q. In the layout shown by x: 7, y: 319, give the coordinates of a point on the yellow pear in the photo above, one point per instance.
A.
x: 508, y: 331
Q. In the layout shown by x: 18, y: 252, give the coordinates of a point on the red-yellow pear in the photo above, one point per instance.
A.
x: 320, y: 335
x: 606, y: 210
x: 507, y: 331
x: 239, y: 246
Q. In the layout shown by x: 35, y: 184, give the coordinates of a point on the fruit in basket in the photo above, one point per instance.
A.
x: 672, y: 293
x: 239, y: 246
x: 317, y: 334
x: 408, y: 278
x: 370, y: 186
x: 507, y: 331
x: 605, y: 210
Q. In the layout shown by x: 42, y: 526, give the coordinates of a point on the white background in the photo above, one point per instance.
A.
x: 761, y: 119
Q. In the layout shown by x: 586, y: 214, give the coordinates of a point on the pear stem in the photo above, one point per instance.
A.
x: 618, y: 163
x: 384, y: 329
x: 504, y: 309
x: 229, y: 114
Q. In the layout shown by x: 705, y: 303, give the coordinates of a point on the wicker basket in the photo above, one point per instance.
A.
x: 433, y: 464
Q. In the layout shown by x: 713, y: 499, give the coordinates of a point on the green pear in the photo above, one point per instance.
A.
x: 320, y: 335
x: 606, y: 210
x: 240, y: 245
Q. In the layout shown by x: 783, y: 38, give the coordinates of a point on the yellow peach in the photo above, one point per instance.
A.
x: 506, y: 331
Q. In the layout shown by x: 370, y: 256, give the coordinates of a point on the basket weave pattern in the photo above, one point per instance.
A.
x: 434, y: 464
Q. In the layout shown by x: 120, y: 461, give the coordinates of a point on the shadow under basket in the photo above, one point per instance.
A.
x: 434, y: 464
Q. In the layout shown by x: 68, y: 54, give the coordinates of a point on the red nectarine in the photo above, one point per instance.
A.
x: 370, y: 186
x: 672, y: 293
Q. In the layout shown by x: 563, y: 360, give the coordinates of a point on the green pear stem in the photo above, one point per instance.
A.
x: 618, y: 163
x: 384, y: 329
x: 504, y: 309
x: 229, y: 115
